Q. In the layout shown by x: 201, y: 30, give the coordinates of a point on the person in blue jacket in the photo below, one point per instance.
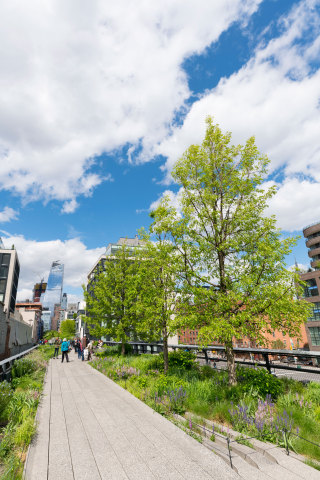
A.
x: 64, y: 350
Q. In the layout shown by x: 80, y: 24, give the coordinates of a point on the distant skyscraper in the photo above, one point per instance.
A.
x: 53, y: 293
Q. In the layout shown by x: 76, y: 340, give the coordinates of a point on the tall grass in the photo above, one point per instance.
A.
x: 18, y: 410
x: 207, y: 394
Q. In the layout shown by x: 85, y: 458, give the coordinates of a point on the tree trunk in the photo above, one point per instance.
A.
x: 165, y: 350
x: 123, y: 348
x: 231, y: 364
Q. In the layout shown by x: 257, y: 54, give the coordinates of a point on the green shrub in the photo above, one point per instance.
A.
x: 5, y: 397
x: 127, y: 349
x: 107, y: 352
x: 261, y: 381
x: 24, y: 432
x: 317, y: 414
x: 313, y: 393
x: 27, y: 383
x: 24, y: 366
x: 182, y: 359
x: 207, y: 372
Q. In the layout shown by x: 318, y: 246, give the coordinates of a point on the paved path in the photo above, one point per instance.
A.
x: 90, y: 428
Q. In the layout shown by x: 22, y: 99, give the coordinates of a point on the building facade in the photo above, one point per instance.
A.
x: 312, y: 287
x: 53, y: 293
x: 31, y: 314
x: 9, y: 277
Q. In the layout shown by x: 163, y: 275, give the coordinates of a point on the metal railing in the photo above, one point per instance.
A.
x: 204, y: 430
x: 303, y: 365
x: 7, y: 363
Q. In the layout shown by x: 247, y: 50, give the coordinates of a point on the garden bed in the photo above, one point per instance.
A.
x: 18, y: 406
x: 260, y: 406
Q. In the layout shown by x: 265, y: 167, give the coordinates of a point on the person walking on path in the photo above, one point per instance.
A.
x: 56, y: 348
x: 64, y: 350
x: 80, y: 350
x: 90, y: 349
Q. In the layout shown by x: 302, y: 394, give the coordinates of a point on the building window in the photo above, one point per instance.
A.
x: 311, y: 289
x: 315, y: 335
x: 315, y: 313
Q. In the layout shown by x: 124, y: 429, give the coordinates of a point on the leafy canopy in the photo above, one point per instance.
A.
x: 235, y: 283
x: 112, y: 296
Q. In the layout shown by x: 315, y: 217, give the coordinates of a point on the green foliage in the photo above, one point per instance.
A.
x: 208, y: 395
x: 228, y: 244
x: 5, y: 397
x: 107, y: 352
x: 261, y: 381
x: 24, y: 366
x: 112, y: 300
x: 127, y: 349
x: 51, y: 334
x: 313, y: 393
x: 312, y: 464
x: 18, y: 409
x: 67, y: 329
x: 180, y: 358
x: 244, y: 441
x: 158, y: 278
x: 278, y: 344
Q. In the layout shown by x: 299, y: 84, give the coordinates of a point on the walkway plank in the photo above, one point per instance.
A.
x: 90, y: 428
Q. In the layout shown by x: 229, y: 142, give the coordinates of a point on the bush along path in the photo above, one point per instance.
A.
x: 260, y: 406
x: 19, y: 400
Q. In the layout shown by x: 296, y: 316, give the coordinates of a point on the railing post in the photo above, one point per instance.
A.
x: 206, y: 356
x: 268, y: 366
x: 229, y: 450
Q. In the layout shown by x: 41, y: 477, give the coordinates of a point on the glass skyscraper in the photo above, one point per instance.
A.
x: 53, y: 292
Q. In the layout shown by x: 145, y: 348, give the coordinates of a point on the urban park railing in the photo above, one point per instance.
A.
x: 7, y: 363
x: 303, y: 365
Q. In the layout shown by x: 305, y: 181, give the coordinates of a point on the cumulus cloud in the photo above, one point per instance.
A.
x: 275, y: 97
x: 8, y: 214
x: 174, y: 199
x: 81, y: 79
x: 36, y: 259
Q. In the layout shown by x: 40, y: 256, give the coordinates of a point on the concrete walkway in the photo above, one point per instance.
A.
x: 90, y: 428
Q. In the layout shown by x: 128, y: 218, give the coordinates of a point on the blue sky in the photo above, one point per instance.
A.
x: 98, y: 101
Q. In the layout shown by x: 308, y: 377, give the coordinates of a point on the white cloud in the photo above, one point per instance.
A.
x: 8, y: 214
x: 82, y: 78
x: 36, y: 259
x: 174, y: 199
x: 275, y: 97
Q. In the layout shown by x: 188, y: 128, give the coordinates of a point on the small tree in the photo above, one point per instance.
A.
x: 111, y: 302
x: 157, y: 299
x: 67, y: 329
x: 51, y: 334
x: 235, y: 281
x: 278, y: 344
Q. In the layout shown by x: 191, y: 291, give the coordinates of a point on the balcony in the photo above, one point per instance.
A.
x: 314, y: 252
x: 311, y: 229
x: 313, y: 241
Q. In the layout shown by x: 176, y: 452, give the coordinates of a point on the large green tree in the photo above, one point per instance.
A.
x: 67, y: 329
x: 235, y: 283
x: 111, y: 302
x: 158, y: 281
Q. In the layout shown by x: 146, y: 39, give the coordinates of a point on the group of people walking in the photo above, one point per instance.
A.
x: 84, y: 351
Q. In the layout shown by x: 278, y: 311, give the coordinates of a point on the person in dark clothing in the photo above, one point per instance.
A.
x: 56, y: 349
x: 64, y: 350
x: 80, y: 350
